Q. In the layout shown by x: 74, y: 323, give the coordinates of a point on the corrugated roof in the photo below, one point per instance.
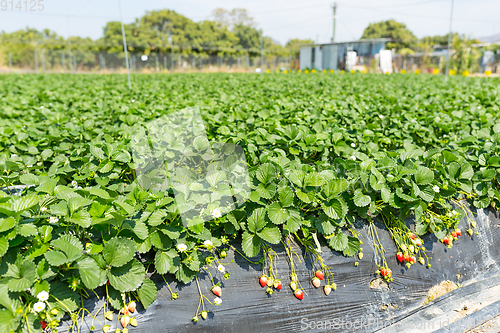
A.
x: 367, y: 40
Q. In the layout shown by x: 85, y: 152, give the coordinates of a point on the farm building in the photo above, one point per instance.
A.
x: 334, y: 56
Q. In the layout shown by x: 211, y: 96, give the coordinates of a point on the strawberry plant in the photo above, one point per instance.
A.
x: 89, y: 202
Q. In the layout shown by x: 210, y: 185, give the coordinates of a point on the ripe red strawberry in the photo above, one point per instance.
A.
x: 418, y: 242
x: 454, y: 234
x: 413, y: 260
x: 459, y: 232
x: 412, y: 236
x: 131, y: 306
x: 446, y: 240
x: 217, y: 290
x: 316, y: 282
x: 383, y: 272
x: 320, y: 275
x: 407, y: 258
x: 327, y: 289
x: 107, y: 282
x: 299, y: 294
x: 124, y: 321
x: 400, y: 257
x: 263, y: 281
x: 278, y: 285
x: 44, y: 324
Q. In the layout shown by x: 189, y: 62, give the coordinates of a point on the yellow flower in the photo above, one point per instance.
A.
x: 465, y: 73
x: 306, y: 71
x: 268, y: 71
x: 363, y: 72
x: 277, y: 71
x: 417, y: 71
x: 285, y: 71
x: 403, y: 71
x: 435, y: 71
x: 298, y: 71
x: 313, y: 71
x: 387, y: 73
x: 452, y: 72
x: 342, y: 72
x: 331, y: 70
x: 324, y: 70
x: 352, y: 71
x: 487, y: 72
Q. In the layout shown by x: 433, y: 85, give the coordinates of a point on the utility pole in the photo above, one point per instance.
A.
x: 69, y: 45
x: 10, y: 61
x: 36, y: 59
x: 334, y: 19
x: 124, y: 45
x: 261, y: 54
x: 449, y: 42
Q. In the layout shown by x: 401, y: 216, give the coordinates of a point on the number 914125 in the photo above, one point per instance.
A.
x: 22, y: 5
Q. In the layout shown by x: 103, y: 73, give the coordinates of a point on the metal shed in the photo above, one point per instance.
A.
x: 332, y: 56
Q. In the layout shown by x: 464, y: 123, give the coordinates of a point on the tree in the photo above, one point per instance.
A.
x: 230, y: 19
x: 401, y: 36
x: 293, y: 45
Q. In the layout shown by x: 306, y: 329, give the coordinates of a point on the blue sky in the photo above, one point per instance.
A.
x: 280, y: 19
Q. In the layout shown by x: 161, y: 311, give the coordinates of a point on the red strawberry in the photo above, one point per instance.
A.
x: 124, y: 321
x: 131, y: 306
x: 446, y: 240
x: 412, y: 236
x: 454, y: 234
x: 400, y: 257
x: 44, y: 324
x: 383, y: 272
x: 107, y: 282
x: 407, y: 258
x: 418, y: 242
x: 316, y: 282
x: 389, y: 273
x: 263, y: 281
x: 327, y: 289
x: 320, y: 275
x: 124, y: 310
x: 413, y: 260
x: 459, y: 232
x: 217, y: 290
x: 278, y: 285
x: 299, y: 294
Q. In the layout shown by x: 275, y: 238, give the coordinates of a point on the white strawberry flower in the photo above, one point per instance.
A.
x: 53, y: 219
x: 436, y: 188
x: 353, y: 158
x: 181, y: 247
x: 353, y: 145
x: 221, y: 268
x: 39, y: 306
x: 43, y: 296
x: 43, y: 209
x: 216, y: 213
x: 29, y: 166
x: 74, y: 183
x: 208, y: 243
x: 217, y: 301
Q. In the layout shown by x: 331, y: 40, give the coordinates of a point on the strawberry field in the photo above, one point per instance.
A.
x: 323, y: 152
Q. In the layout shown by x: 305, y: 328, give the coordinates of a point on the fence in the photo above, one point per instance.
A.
x: 35, y: 59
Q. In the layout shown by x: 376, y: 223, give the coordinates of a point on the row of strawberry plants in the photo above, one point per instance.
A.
x: 316, y: 163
